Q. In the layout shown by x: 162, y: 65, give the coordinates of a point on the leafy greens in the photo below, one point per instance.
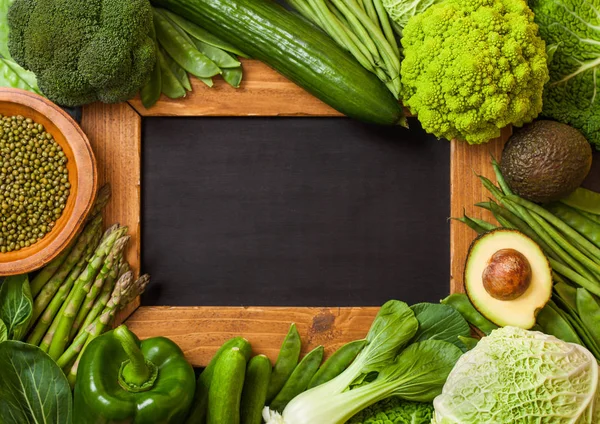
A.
x: 440, y: 322
x: 520, y: 376
x: 417, y: 373
x: 571, y: 29
x: 33, y: 389
x: 16, y: 306
x: 400, y: 11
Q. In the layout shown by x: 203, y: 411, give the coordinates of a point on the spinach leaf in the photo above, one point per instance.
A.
x: 16, y: 306
x: 4, y: 5
x: 3, y: 332
x: 32, y: 388
x: 440, y: 322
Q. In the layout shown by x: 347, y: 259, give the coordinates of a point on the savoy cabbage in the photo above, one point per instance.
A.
x: 571, y: 29
x: 521, y: 377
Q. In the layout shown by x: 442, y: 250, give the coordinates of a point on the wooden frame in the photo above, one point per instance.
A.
x: 115, y: 134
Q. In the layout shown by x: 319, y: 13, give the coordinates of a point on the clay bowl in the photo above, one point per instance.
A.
x: 83, y: 177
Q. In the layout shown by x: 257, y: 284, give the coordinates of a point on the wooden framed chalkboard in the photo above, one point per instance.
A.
x: 117, y: 133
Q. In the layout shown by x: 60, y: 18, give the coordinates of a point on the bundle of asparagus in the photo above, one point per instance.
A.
x: 77, y: 295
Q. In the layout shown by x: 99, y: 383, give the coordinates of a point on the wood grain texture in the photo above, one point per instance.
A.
x: 115, y: 134
x: 263, y: 92
x: 465, y: 190
x: 200, y: 331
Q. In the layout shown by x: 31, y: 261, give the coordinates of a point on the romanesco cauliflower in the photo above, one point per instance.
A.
x: 472, y: 67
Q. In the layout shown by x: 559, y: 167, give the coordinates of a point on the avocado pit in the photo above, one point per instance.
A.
x: 507, y: 275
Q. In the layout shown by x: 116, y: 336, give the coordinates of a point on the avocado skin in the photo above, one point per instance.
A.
x: 546, y: 161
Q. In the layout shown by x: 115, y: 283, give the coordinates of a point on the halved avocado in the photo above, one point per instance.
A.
x: 508, y: 278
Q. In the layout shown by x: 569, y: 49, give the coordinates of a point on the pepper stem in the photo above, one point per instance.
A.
x: 137, y: 374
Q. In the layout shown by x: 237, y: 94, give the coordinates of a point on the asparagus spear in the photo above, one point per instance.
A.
x: 103, y: 297
x: 52, y: 286
x: 136, y: 289
x: 98, y: 326
x: 102, y: 198
x: 111, y: 261
x: 85, y: 280
x: 47, y: 272
x: 47, y: 317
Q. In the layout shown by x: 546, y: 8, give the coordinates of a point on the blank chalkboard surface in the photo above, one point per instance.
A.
x: 293, y: 212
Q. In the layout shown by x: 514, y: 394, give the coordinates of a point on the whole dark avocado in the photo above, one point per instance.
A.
x: 546, y: 161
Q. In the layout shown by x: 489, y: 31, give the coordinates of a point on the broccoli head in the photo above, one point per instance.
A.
x: 395, y: 411
x: 472, y: 67
x: 84, y: 51
x: 570, y: 28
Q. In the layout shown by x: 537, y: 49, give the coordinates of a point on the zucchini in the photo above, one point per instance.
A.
x: 225, y: 393
x: 254, y: 395
x: 298, y: 50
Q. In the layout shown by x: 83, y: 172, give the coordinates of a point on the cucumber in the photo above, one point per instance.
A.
x: 299, y: 51
x: 197, y: 413
x: 254, y: 394
x: 225, y: 391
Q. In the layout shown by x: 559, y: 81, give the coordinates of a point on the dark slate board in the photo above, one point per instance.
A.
x: 293, y: 212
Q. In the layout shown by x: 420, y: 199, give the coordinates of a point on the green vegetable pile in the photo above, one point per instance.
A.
x: 395, y: 411
x: 570, y: 28
x: 183, y: 47
x: 82, y: 52
x: 35, y: 182
x: 570, y: 239
x: 472, y: 67
x: 519, y: 376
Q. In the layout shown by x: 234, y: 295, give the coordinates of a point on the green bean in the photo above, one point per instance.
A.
x: 567, y: 294
x: 564, y: 228
x: 543, y: 232
x: 575, y: 277
x: 150, y: 92
x: 369, y: 8
x: 178, y: 71
x: 581, y: 223
x: 553, y: 323
x: 304, y: 9
x: 589, y: 312
x: 201, y: 34
x: 505, y: 223
x: 180, y: 47
x: 386, y: 27
x: 570, y: 249
x: 233, y: 76
x: 489, y: 185
x: 501, y: 181
x: 471, y: 224
x: 298, y: 381
x: 337, y: 363
x: 221, y: 58
x: 286, y: 362
x: 463, y: 305
x: 584, y: 200
x: 170, y: 85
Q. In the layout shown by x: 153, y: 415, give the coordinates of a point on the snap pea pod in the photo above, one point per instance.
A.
x: 584, y: 200
x: 469, y: 342
x: 567, y: 293
x: 221, y: 58
x: 208, y: 81
x: 233, y: 76
x: 589, y: 312
x: 180, y: 47
x: 178, y: 71
x: 582, y: 331
x: 13, y: 75
x: 581, y: 223
x: 553, y: 323
x: 337, y: 363
x: 298, y: 381
x: 170, y: 85
x: 287, y: 360
x: 463, y: 305
x: 150, y: 92
x: 593, y: 217
x: 201, y: 34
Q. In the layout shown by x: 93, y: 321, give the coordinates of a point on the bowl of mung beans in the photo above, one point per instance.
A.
x: 48, y: 180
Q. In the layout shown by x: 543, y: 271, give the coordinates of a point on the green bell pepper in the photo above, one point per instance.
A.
x: 122, y: 380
